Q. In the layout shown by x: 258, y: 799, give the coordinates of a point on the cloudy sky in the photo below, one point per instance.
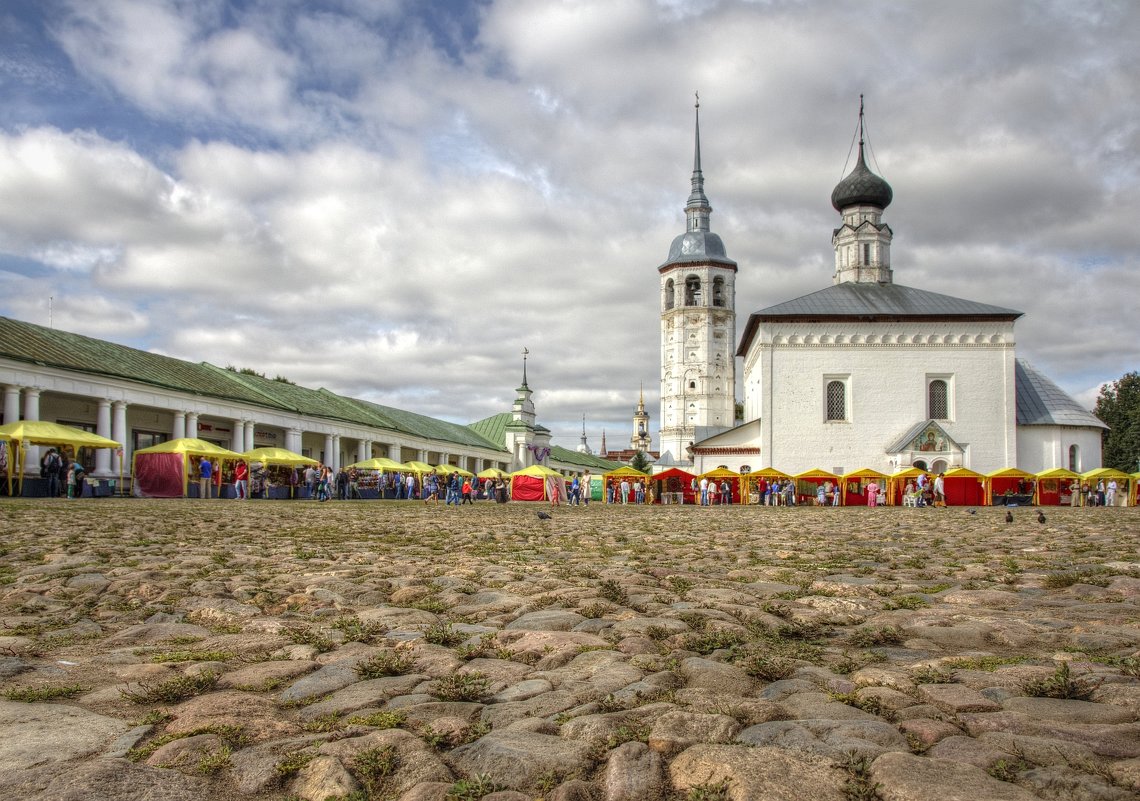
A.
x: 391, y: 198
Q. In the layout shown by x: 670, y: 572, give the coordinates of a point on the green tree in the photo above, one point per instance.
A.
x: 640, y: 462
x: 1118, y: 405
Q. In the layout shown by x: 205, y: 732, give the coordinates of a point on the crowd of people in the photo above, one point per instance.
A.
x: 65, y: 476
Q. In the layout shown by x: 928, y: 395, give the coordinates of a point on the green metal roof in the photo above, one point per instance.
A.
x: 49, y: 347
x: 568, y: 456
x: 493, y: 428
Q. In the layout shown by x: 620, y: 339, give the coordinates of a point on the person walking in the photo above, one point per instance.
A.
x: 586, y: 488
x: 939, y: 490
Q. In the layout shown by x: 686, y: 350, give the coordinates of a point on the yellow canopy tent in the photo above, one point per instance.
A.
x: 617, y: 474
x: 381, y: 463
x: 1106, y: 474
x: 1047, y: 492
x: 186, y: 447
x: 769, y: 474
x: 493, y: 472
x: 813, y: 477
x: 530, y: 483
x: 862, y: 477
x: 22, y: 433
x: 1004, y: 481
x: 896, y: 483
x: 278, y: 456
x: 448, y: 469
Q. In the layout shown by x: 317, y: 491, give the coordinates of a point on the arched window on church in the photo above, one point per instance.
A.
x: 836, y: 401
x: 718, y: 291
x: 1075, y: 458
x: 692, y: 291
x: 938, y: 407
x: 669, y: 294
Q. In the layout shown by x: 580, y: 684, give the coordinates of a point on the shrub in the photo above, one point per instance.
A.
x: 172, y: 691
x: 385, y: 663
x: 461, y: 686
x: 1062, y: 684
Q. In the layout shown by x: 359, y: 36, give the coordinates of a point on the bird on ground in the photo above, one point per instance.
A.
x: 1008, y: 516
x: 1040, y: 516
x: 543, y: 516
x: 972, y: 511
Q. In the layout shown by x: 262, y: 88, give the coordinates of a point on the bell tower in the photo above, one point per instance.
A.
x: 698, y: 327
x: 640, y: 441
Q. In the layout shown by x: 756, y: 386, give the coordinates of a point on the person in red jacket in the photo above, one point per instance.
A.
x: 241, y: 481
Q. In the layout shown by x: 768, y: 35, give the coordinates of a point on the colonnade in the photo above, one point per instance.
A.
x: 111, y: 422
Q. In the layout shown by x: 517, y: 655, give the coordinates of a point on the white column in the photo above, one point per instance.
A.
x: 11, y: 404
x: 103, y: 429
x: 363, y: 450
x: 192, y: 425
x: 334, y: 458
x: 248, y: 426
x: 32, y: 412
x: 328, y: 450
x: 119, y: 434
x: 293, y: 439
x: 237, y: 436
x: 178, y: 430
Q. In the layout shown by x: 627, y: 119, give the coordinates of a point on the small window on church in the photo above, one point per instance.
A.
x: 938, y: 400
x: 718, y: 291
x: 1075, y: 458
x: 836, y: 400
x: 866, y: 253
x: 692, y: 385
x: 669, y: 294
x: 692, y: 291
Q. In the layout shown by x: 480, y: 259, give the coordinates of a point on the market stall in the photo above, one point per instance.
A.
x: 164, y: 470
x: 855, y: 487
x: 898, y: 482
x: 614, y: 478
x: 370, y: 473
x: 964, y: 487
x: 1054, y: 487
x: 1010, y: 487
x: 532, y: 483
x: 273, y: 472
x: 674, y: 486
x: 20, y: 434
x: 1105, y: 475
x: 759, y: 480
x: 809, y: 480
x: 735, y: 482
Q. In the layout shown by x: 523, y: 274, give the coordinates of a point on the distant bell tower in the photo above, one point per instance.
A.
x: 698, y: 328
x: 863, y: 242
x: 641, y: 440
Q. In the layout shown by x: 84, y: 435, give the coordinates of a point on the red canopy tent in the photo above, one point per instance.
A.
x: 734, y: 481
x: 676, y: 482
x: 898, y: 481
x: 531, y: 483
x: 1010, y: 481
x: 964, y: 487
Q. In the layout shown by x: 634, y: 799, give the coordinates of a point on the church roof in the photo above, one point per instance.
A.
x: 1040, y: 402
x: 872, y: 302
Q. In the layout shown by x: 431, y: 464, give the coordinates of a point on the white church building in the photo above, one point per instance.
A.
x: 864, y: 373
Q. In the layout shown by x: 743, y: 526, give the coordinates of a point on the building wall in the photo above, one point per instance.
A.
x: 1042, y: 448
x: 885, y: 367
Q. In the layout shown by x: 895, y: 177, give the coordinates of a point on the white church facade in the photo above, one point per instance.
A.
x: 868, y: 373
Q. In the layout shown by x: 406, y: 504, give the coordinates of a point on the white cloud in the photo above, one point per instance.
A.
x: 419, y: 214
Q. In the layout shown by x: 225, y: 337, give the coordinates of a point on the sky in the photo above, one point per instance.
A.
x: 393, y: 198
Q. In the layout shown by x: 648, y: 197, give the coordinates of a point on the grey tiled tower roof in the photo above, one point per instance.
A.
x: 1040, y: 402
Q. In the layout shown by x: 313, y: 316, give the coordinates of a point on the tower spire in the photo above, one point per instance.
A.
x: 525, y: 352
x: 697, y: 209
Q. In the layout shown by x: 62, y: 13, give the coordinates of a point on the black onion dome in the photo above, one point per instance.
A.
x: 861, y: 187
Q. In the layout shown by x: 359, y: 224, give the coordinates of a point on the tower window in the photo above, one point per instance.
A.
x: 718, y: 291
x: 1075, y: 458
x: 669, y: 294
x: 692, y: 291
x: 836, y: 400
x: 692, y: 385
x: 938, y: 407
x: 866, y: 253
